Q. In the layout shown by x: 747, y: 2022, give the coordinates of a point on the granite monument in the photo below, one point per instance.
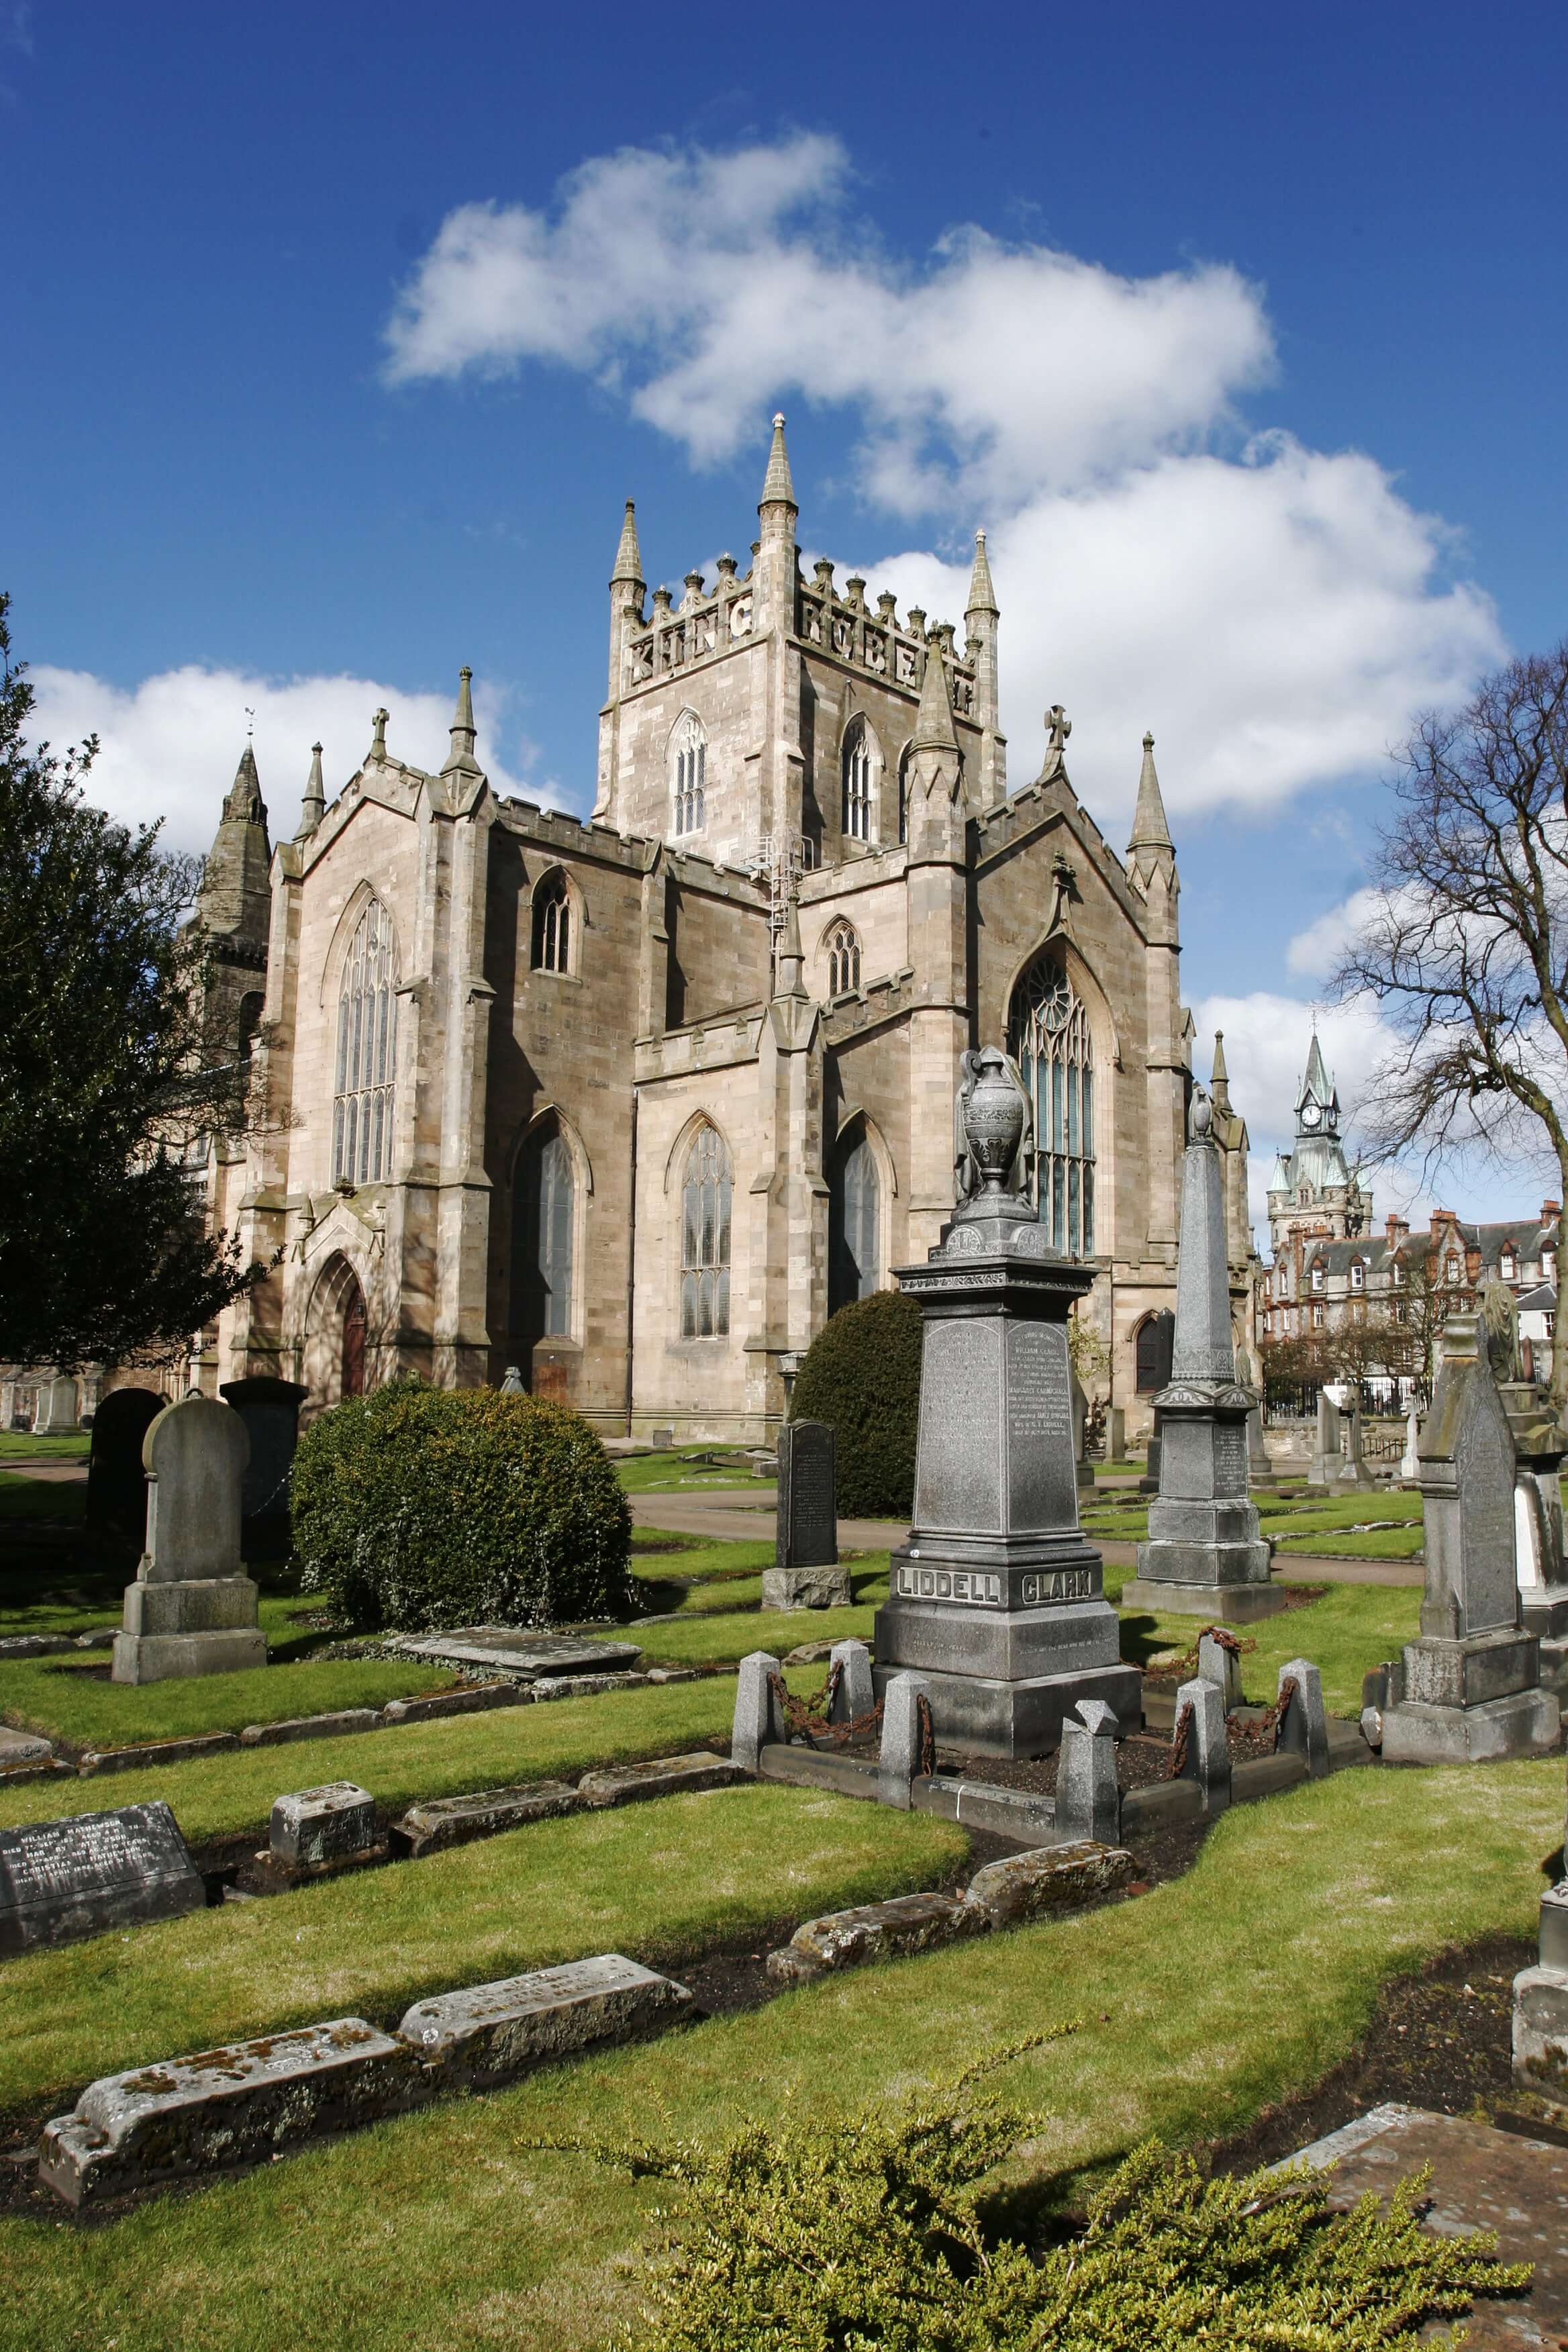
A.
x: 806, y: 1573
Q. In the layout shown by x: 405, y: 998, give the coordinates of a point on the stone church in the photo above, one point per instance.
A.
x: 635, y: 1104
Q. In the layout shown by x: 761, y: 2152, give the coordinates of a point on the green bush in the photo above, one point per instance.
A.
x: 873, y: 2230
x: 862, y: 1373
x: 425, y: 1508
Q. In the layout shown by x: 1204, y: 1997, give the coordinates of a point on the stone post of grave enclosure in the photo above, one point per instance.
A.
x: 1203, y: 1555
x: 1203, y: 1743
x: 192, y: 1610
x: 1469, y: 1688
x: 995, y: 1598
x: 1541, y: 2011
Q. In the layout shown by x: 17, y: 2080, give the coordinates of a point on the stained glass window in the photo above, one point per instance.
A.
x: 552, y: 925
x: 367, y: 1050
x: 854, y: 1215
x: 858, y: 781
x: 1049, y: 1038
x: 843, y: 959
x: 705, y: 1238
x: 542, y: 1202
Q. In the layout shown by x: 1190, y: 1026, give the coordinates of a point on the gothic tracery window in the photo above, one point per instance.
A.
x: 858, y: 781
x: 367, y: 1047
x: 843, y: 958
x: 689, y: 777
x: 853, y: 1220
x: 705, y: 1238
x: 1049, y: 1037
x: 543, y: 1198
x: 904, y: 795
x: 552, y: 925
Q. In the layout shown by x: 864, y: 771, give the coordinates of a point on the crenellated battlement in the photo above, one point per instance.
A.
x: 845, y: 627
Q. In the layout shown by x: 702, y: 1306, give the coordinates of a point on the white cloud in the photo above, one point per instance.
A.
x: 1274, y: 613
x: 1315, y: 952
x: 169, y: 746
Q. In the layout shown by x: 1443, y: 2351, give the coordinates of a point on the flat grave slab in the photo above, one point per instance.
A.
x: 62, y: 1880
x: 489, y: 2032
x: 1481, y: 2179
x: 485, y: 1812
x: 520, y: 1650
x: 666, y: 1776
x: 237, y: 2104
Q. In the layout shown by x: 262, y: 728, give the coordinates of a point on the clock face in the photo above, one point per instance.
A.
x: 1311, y: 1115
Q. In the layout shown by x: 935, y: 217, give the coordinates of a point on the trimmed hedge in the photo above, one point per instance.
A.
x: 425, y: 1508
x: 862, y: 1372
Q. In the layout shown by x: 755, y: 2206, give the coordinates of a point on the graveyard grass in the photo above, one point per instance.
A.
x: 1201, y: 2003
x: 659, y: 1881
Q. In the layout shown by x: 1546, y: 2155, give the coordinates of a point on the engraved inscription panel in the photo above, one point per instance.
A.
x: 807, y: 1517
x: 66, y: 1878
x: 1042, y: 1486
x: 958, y: 1470
x: 1483, y: 1458
x: 971, y: 1584
x: 1229, y: 1459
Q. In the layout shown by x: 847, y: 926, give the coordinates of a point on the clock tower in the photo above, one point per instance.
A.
x: 1313, y: 1191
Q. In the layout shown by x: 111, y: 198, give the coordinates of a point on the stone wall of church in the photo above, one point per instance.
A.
x: 871, y: 894
x: 720, y: 947
x: 727, y: 691
x: 832, y: 697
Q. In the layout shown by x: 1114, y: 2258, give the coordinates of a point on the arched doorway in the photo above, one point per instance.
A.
x: 337, y: 1331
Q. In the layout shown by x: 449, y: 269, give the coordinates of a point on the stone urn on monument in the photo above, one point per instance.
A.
x: 995, y: 1598
x: 1205, y: 1556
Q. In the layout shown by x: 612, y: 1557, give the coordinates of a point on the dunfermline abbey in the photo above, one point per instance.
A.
x: 634, y: 1105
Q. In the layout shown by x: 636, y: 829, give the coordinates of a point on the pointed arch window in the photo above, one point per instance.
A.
x: 1049, y: 1037
x: 552, y: 925
x: 854, y: 1225
x: 367, y: 1051
x: 543, y: 1201
x: 843, y: 949
x: 705, y: 1238
x: 688, y: 774
x: 858, y: 781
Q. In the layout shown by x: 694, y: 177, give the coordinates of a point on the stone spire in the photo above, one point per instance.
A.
x: 460, y: 760
x: 933, y: 723
x: 778, y: 489
x: 981, y: 594
x: 629, y: 558
x: 1149, y: 830
x: 243, y: 799
x: 236, y: 896
x: 313, y: 806
x: 1219, y: 1085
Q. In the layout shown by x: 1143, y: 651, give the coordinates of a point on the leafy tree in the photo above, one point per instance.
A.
x: 1464, y: 946
x: 104, y: 1253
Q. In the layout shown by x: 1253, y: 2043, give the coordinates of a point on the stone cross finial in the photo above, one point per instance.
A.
x: 1058, y: 727
x: 378, y: 720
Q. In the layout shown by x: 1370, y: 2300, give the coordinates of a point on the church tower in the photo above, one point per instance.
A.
x: 1314, y: 1190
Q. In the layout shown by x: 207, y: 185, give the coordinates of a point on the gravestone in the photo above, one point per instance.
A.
x: 270, y: 1412
x: 1410, y: 1460
x: 1203, y: 1556
x: 1540, y: 1443
x: 806, y: 1573
x: 313, y: 1828
x: 62, y: 1880
x: 1115, y: 1434
x: 116, y: 1481
x: 1326, y: 1457
x: 519, y: 1652
x: 996, y: 1598
x: 1355, y: 1472
x: 57, y: 1407
x: 192, y: 1610
x: 1469, y: 1688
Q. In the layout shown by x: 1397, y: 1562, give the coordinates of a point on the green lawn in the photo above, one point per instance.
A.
x: 16, y: 1446
x: 1200, y: 2003
x: 655, y: 1881
x: 1302, y: 1523
x: 22, y: 1497
x: 1352, y: 1627
x: 1383, y: 1543
x: 213, y: 1796
x: 65, y: 1700
x: 682, y: 1468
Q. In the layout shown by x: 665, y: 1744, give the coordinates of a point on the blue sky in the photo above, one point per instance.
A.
x: 335, y: 338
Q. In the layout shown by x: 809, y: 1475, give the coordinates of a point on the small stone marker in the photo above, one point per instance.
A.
x: 1089, y: 1803
x: 518, y: 1651
x: 875, y: 1931
x: 855, y: 1695
x: 1304, y: 1727
x: 233, y: 2106
x: 1356, y: 1472
x: 491, y: 2033
x: 458, y: 1820
x: 270, y: 1412
x: 1048, y: 1878
x: 666, y: 1776
x: 806, y: 1573
x: 900, y: 1762
x: 1115, y: 1434
x: 1219, y: 1664
x: 62, y: 1880
x: 1205, y: 1757
x: 1471, y: 1684
x: 192, y: 1610
x: 1541, y: 2011
x: 315, y: 1828
x: 756, y: 1724
x: 116, y: 1481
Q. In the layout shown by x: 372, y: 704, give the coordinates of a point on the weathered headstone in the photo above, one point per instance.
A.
x: 192, y: 1610
x: 1470, y: 1687
x: 1089, y: 1803
x: 1115, y: 1434
x: 1161, y: 1338
x: 996, y: 1598
x: 489, y: 2033
x: 57, y: 1407
x: 806, y: 1573
x: 116, y: 1481
x: 1355, y: 1472
x: 62, y: 1880
x: 270, y: 1412
x: 314, y: 1829
x: 1260, y: 1469
x: 1410, y: 1460
x: 1203, y: 1555
x: 519, y: 1651
x: 1327, y: 1459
